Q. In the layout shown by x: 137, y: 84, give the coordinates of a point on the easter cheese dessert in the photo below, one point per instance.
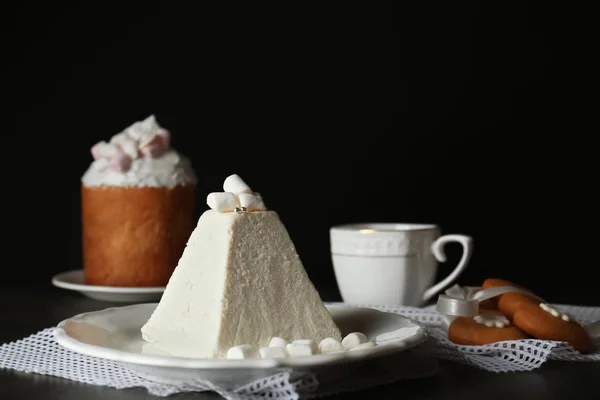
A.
x: 240, y: 289
x: 137, y: 208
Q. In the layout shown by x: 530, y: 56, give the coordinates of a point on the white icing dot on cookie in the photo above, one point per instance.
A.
x: 551, y: 310
x: 492, y: 320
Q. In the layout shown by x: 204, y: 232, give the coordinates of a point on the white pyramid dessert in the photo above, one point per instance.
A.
x: 239, y: 281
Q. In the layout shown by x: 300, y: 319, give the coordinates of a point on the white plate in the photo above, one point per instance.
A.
x: 73, y: 280
x: 114, y: 334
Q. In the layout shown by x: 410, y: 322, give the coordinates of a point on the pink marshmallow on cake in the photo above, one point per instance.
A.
x: 121, y: 162
x: 145, y: 138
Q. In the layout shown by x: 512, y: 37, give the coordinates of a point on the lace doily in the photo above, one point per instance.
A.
x: 39, y: 353
x: 507, y: 356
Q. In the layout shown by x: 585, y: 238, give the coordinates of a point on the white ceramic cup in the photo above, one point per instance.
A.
x: 392, y: 264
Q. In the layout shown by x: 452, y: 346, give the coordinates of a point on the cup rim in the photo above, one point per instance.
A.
x: 373, y: 227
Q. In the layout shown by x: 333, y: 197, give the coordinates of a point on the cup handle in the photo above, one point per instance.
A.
x: 437, y: 248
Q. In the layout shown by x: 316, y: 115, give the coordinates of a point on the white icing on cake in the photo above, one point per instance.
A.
x: 140, y: 156
x: 170, y: 170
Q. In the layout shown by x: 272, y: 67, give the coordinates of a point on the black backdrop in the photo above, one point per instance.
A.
x: 460, y: 114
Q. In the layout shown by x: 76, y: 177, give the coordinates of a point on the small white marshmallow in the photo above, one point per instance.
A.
x: 105, y: 150
x: 398, y: 334
x: 278, y: 342
x: 222, y: 201
x: 330, y: 345
x: 362, y: 346
x: 242, y: 352
x: 252, y: 202
x: 314, y: 347
x: 299, y: 349
x: 235, y: 184
x: 354, y: 339
x: 272, y: 352
x: 121, y: 162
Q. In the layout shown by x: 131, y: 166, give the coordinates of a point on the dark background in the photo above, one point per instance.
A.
x: 463, y: 114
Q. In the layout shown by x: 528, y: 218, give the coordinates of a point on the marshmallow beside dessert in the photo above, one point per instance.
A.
x: 137, y: 208
x: 354, y: 339
x: 239, y: 282
x: 280, y: 348
x: 330, y: 345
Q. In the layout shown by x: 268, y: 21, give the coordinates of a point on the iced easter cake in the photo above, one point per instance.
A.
x: 137, y: 208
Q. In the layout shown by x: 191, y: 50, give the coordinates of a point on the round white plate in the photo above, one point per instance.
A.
x: 73, y: 280
x: 114, y: 334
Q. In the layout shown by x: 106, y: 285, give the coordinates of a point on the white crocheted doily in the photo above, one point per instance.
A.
x: 39, y: 353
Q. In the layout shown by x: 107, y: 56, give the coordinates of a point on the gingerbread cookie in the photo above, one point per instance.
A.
x: 488, y: 304
x: 509, y: 302
x: 546, y: 323
x: 493, y: 302
x: 494, y: 282
x: 487, y: 327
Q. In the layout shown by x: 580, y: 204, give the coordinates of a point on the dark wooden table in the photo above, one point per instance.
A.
x: 25, y: 310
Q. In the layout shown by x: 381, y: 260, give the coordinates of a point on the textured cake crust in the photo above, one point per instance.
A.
x: 134, y: 236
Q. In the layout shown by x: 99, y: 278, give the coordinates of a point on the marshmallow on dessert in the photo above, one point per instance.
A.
x: 152, y: 151
x: 272, y: 352
x: 104, y: 150
x: 278, y: 342
x: 242, y: 352
x: 222, y: 201
x: 354, y: 339
x: 362, y: 346
x: 314, y: 347
x: 299, y: 348
x: 330, y: 345
x: 251, y: 202
x: 237, y: 194
x: 121, y: 162
x: 235, y: 184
